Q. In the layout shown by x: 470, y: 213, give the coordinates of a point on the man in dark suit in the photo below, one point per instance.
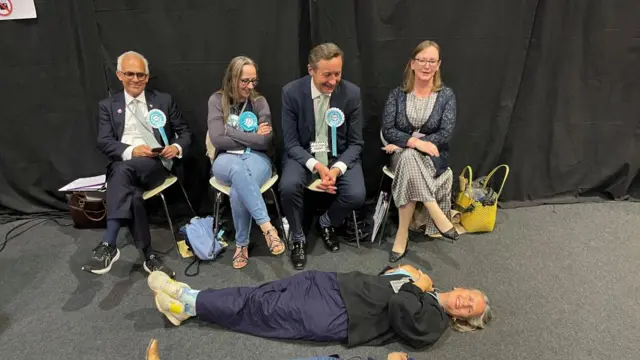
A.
x: 309, y: 148
x: 138, y: 161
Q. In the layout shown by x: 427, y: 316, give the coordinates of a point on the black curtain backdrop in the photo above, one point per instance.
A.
x: 50, y: 79
x: 575, y: 129
x: 549, y: 87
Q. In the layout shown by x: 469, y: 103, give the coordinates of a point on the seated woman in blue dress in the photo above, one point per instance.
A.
x: 241, y: 159
x: 399, y: 304
x: 418, y: 122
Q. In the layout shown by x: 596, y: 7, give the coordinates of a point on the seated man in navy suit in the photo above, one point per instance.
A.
x: 309, y: 104
x: 138, y: 160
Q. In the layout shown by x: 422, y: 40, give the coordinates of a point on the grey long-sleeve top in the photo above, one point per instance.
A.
x: 224, y: 137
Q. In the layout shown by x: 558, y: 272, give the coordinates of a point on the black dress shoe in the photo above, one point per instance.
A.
x: 298, y: 255
x: 450, y: 234
x: 394, y: 256
x: 329, y: 239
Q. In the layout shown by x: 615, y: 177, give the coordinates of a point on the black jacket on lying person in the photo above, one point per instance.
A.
x: 351, y: 308
x: 377, y: 315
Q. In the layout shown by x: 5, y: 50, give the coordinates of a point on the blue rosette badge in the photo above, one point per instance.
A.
x: 158, y: 119
x: 334, y: 118
x: 248, y: 122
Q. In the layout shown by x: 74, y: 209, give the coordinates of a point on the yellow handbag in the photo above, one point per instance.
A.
x: 478, y: 215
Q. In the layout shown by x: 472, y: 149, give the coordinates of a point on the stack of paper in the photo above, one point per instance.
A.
x: 381, y: 211
x: 93, y: 183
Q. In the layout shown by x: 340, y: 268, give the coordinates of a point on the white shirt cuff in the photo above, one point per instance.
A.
x: 127, y: 153
x: 179, y: 156
x: 340, y: 165
x: 310, y: 164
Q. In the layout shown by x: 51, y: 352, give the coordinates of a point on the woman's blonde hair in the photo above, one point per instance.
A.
x: 476, y: 322
x: 410, y: 77
x: 230, y: 88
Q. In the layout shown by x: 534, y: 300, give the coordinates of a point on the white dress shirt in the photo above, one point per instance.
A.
x: 315, y: 95
x: 131, y: 136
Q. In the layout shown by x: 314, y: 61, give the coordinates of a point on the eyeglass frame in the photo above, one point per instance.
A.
x: 424, y: 62
x: 129, y: 75
x: 246, y: 82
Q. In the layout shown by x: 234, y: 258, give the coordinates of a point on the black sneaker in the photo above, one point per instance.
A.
x: 155, y: 263
x: 103, y: 257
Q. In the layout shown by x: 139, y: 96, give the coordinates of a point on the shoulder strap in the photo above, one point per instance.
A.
x: 195, y: 261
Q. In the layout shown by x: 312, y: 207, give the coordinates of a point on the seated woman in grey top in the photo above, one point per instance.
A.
x: 240, y: 130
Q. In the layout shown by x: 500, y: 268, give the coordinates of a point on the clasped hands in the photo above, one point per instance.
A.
x: 426, y: 147
x: 423, y: 281
x: 328, y: 178
x: 144, y: 150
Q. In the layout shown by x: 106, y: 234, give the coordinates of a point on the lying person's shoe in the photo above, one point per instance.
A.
x: 171, y: 308
x: 161, y: 282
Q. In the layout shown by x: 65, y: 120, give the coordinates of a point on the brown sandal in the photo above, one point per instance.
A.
x: 273, y: 242
x: 240, y: 260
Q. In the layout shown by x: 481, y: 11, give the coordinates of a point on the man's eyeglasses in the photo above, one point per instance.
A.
x: 130, y: 74
x: 246, y: 82
x: 423, y: 62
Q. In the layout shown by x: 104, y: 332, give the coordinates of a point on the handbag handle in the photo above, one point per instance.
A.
x: 104, y: 213
x: 82, y: 202
x: 470, y: 173
x: 470, y: 180
x: 504, y: 180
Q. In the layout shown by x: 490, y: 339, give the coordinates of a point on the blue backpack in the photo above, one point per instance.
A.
x: 198, y: 235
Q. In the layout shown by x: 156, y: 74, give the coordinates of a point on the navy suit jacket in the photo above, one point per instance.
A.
x: 298, y: 121
x: 111, y: 117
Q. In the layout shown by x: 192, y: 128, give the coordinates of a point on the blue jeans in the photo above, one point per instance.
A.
x: 245, y: 174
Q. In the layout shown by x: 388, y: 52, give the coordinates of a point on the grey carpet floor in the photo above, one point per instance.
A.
x: 564, y: 281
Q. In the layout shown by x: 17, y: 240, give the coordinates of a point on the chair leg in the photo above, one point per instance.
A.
x: 186, y: 197
x: 355, y: 225
x: 166, y: 210
x: 381, y: 182
x: 282, y: 230
x: 216, y: 213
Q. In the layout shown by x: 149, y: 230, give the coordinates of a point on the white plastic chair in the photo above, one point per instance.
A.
x: 224, y: 189
x: 158, y: 190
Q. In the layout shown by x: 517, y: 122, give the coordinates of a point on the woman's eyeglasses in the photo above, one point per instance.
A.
x: 246, y: 82
x: 423, y: 62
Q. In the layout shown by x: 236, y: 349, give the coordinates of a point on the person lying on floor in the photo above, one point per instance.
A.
x: 399, y: 304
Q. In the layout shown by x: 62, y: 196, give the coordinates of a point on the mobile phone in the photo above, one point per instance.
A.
x: 157, y: 150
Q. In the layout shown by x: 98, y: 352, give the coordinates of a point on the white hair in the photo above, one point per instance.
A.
x: 476, y: 322
x: 146, y: 63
